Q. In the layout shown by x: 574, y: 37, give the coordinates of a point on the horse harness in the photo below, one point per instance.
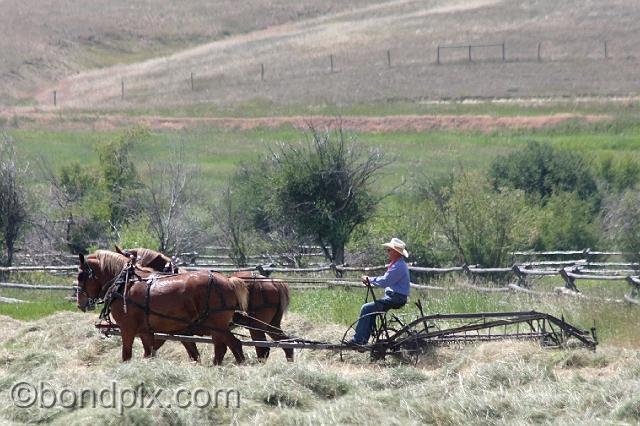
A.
x: 256, y: 283
x: 115, y: 290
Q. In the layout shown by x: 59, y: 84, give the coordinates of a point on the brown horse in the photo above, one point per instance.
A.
x: 268, y: 301
x: 150, y: 259
x: 194, y: 303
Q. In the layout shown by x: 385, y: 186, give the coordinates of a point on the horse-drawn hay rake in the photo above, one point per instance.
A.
x: 407, y: 339
x: 398, y: 335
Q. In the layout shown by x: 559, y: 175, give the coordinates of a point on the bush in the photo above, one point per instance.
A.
x: 319, y: 189
x: 136, y: 234
x: 566, y: 222
x: 622, y: 221
x: 408, y: 218
x: 541, y: 170
x: 619, y: 175
x: 483, y: 226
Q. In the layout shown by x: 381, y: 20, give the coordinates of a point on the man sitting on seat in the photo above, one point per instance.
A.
x: 396, y: 285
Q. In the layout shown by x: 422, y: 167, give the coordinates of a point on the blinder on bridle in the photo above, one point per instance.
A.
x: 87, y: 273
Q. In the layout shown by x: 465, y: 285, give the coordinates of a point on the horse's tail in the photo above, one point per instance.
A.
x: 283, y: 291
x: 241, y: 291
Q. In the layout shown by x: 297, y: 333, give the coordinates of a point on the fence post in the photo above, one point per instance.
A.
x: 55, y: 100
x: 389, y: 58
x: 569, y: 282
x: 606, y: 54
x: 539, y: 58
x: 522, y: 278
x: 331, y: 59
x: 438, y: 56
x: 469, y: 53
x: 504, y: 55
x: 261, y: 72
x: 122, y: 90
x: 635, y: 290
x: 192, y: 81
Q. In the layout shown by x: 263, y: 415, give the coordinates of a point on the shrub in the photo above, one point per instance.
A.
x: 541, y: 170
x: 321, y: 189
x: 408, y: 218
x: 566, y: 222
x: 482, y: 225
x: 622, y: 221
x: 619, y: 175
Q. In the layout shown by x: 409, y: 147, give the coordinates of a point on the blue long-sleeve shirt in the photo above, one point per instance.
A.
x: 395, y: 279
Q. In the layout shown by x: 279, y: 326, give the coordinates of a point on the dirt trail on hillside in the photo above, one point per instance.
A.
x: 386, y: 124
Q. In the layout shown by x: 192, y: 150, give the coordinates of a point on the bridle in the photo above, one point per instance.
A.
x: 87, y: 273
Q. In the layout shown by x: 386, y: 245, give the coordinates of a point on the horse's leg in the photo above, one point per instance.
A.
x: 234, y: 344
x: 157, y: 343
x: 148, y: 344
x: 127, y: 343
x: 263, y: 353
x: 219, y: 350
x: 192, y: 350
x: 275, y: 321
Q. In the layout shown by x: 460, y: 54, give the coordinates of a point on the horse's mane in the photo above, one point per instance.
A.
x: 111, y: 263
x: 146, y: 256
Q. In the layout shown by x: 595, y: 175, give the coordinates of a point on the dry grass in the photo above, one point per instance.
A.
x: 46, y: 41
x: 493, y: 383
x: 295, y: 44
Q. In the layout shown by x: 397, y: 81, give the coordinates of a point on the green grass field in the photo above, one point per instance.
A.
x: 415, y: 155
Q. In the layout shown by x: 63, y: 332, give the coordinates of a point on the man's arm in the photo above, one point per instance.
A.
x: 388, y: 279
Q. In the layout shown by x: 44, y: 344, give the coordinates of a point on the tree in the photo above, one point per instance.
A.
x: 320, y: 187
x: 13, y: 199
x: 482, y: 225
x: 234, y: 226
x: 119, y: 175
x: 622, y: 222
x: 245, y: 225
x: 566, y: 223
x: 168, y: 197
x: 540, y: 170
x: 78, y: 201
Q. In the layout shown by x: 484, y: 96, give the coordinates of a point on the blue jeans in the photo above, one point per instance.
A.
x: 390, y: 300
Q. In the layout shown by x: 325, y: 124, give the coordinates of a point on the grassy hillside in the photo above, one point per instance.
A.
x: 45, y: 41
x: 158, y: 47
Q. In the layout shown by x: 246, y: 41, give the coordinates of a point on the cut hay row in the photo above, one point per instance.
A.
x: 495, y: 383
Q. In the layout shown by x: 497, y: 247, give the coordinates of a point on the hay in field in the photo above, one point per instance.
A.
x: 492, y: 383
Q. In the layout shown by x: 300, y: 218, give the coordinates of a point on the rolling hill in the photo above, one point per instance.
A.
x: 366, y: 52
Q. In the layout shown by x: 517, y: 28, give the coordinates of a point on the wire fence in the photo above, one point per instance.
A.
x: 396, y: 58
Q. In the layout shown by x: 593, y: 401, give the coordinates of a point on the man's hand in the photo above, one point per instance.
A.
x: 365, y: 280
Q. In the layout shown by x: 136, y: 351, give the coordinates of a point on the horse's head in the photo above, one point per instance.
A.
x: 89, y: 285
x: 148, y: 258
x: 95, y: 273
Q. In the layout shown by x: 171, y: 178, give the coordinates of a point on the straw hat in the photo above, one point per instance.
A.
x: 397, y: 245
